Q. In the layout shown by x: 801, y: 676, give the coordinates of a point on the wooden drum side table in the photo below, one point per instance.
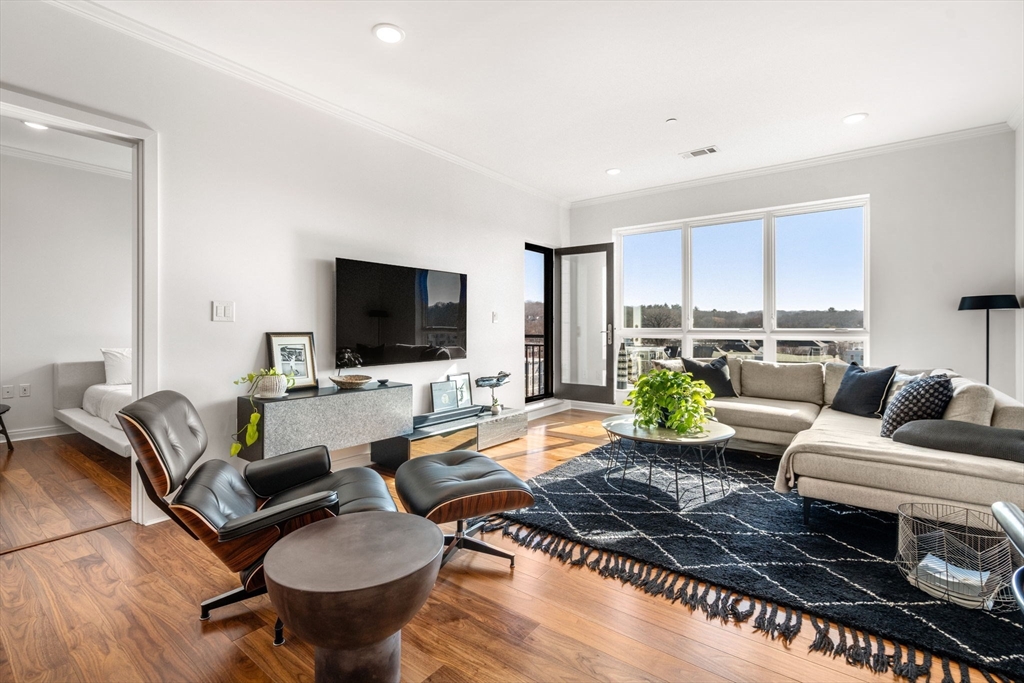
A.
x: 347, y: 585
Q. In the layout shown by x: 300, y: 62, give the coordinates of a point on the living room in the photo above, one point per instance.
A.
x: 274, y: 138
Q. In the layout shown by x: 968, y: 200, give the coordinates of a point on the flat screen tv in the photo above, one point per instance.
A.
x: 393, y: 314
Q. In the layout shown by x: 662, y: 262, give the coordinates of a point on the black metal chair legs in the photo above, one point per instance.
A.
x: 237, y: 595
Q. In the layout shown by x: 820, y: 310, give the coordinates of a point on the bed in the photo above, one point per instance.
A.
x: 83, y: 401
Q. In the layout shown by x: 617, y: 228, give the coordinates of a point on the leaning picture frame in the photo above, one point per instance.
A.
x: 443, y: 396
x: 293, y: 353
x: 463, y: 388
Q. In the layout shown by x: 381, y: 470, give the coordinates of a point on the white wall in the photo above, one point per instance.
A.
x: 65, y: 277
x: 942, y: 227
x: 259, y: 194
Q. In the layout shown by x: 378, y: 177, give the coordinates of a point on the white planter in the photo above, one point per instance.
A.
x: 496, y: 410
x: 271, y: 386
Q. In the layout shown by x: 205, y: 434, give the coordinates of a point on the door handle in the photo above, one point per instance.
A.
x: 609, y: 338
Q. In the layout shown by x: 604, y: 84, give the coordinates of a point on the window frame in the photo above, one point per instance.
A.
x: 769, y: 333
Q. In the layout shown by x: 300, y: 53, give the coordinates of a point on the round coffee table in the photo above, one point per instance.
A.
x: 348, y: 585
x: 707, y: 446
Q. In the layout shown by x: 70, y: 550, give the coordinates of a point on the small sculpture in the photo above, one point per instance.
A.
x: 493, y: 383
x: 347, y: 358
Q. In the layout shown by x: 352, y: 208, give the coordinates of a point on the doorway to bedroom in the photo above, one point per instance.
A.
x: 67, y: 221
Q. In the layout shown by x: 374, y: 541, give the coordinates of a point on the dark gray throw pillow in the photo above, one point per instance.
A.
x: 964, y: 437
x: 862, y: 392
x: 715, y: 373
x: 925, y: 399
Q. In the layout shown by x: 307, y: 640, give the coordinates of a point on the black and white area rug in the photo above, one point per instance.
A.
x: 749, y: 556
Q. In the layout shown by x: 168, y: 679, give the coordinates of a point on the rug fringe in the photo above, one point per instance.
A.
x: 724, y: 604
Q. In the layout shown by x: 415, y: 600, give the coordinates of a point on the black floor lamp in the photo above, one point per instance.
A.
x: 988, y: 303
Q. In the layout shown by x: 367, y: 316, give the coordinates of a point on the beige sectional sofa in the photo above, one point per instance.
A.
x: 836, y: 456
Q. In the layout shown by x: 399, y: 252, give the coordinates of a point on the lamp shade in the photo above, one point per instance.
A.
x: 989, y: 301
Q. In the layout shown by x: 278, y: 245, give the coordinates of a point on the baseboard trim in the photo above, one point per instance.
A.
x: 608, y: 408
x: 546, y: 407
x: 27, y: 433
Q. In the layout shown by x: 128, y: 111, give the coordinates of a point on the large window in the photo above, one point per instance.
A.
x: 728, y: 275
x: 783, y: 285
x: 652, y: 278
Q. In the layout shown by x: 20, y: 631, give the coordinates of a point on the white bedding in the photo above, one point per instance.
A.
x: 104, y: 400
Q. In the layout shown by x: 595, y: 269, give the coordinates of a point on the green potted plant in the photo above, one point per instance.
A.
x: 263, y: 383
x: 672, y: 400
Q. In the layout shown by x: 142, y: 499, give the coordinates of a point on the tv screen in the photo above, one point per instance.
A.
x: 393, y: 314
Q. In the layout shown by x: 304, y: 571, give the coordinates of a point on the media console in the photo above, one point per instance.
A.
x: 453, y: 430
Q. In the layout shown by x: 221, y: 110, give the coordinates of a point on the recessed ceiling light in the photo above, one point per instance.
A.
x: 614, y: 171
x: 854, y: 118
x: 37, y: 126
x: 670, y: 120
x: 389, y: 33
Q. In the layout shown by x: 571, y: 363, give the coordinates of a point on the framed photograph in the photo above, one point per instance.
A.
x: 293, y: 353
x: 463, y: 387
x: 443, y: 396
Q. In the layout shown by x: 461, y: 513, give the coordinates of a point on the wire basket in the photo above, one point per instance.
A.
x: 956, y: 554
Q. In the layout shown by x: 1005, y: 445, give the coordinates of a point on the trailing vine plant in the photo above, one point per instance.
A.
x: 251, y: 429
x: 670, y: 399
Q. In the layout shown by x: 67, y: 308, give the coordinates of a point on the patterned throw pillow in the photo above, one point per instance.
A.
x: 925, y: 399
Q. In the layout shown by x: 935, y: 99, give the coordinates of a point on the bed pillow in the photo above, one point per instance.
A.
x: 715, y: 373
x: 863, y: 392
x: 925, y: 399
x: 118, y: 365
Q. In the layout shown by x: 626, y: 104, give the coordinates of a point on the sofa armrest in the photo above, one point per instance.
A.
x: 271, y: 476
x: 272, y: 516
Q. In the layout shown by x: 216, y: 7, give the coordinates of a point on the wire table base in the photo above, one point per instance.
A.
x: 708, y: 455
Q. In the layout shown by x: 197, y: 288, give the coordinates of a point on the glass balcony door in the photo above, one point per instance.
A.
x: 584, y: 335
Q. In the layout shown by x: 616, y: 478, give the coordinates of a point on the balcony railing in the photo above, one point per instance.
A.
x: 536, y: 385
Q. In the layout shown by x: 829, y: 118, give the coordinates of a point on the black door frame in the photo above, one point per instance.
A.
x: 582, y: 392
x: 549, y: 321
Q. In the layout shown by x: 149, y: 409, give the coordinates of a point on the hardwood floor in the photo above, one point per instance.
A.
x: 121, y: 604
x: 58, y: 485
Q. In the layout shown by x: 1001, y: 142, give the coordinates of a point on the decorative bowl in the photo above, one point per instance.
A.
x: 350, y: 381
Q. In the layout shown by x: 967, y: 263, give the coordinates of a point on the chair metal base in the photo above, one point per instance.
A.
x: 237, y: 595
x: 462, y: 540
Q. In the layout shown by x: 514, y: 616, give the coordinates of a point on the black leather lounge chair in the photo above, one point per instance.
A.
x: 238, y: 515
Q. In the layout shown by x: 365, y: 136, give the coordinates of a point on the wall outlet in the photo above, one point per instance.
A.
x: 222, y: 311
x: 24, y: 390
x: 8, y: 391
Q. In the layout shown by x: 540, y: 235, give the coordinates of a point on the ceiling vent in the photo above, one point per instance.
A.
x: 703, y: 151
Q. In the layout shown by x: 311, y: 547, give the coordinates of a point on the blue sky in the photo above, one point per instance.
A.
x: 534, y: 276
x: 819, y: 263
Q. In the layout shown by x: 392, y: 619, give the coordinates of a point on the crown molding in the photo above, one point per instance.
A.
x: 20, y: 153
x: 942, y: 138
x: 111, y: 19
x: 1016, y: 117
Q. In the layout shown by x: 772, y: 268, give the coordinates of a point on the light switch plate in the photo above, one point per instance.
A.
x: 222, y: 311
x: 8, y: 391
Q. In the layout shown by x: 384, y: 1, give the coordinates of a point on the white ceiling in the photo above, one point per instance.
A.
x: 57, y: 145
x: 551, y: 94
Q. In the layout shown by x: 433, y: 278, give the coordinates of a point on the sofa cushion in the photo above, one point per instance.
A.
x: 845, y: 422
x: 964, y: 437
x: 784, y: 381
x: 715, y: 374
x: 834, y: 372
x: 862, y: 392
x: 879, y: 463
x: 676, y: 364
x: 925, y: 399
x: 972, y: 402
x: 1007, y: 413
x: 765, y: 413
